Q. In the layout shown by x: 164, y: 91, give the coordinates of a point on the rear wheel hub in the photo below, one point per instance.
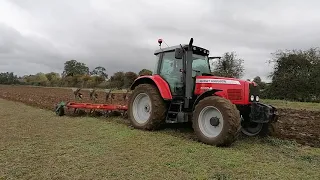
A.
x: 141, y: 108
x: 147, y: 108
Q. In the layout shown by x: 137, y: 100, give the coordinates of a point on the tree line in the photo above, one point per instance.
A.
x: 295, y: 76
x: 76, y: 74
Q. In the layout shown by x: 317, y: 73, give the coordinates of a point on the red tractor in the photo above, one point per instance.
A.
x: 183, y: 89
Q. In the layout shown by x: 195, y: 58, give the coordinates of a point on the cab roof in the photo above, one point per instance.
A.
x: 185, y: 46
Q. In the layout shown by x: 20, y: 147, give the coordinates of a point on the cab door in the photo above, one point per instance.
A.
x: 170, y: 71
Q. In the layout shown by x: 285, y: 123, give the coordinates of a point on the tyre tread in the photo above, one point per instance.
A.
x: 229, y: 110
x: 158, y: 107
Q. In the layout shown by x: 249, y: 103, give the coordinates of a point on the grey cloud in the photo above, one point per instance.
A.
x: 16, y: 48
x: 122, y: 35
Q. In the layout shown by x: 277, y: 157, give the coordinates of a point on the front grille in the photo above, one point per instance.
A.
x: 234, y: 94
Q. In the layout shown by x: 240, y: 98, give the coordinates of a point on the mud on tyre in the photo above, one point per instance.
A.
x: 146, y: 109
x: 257, y: 129
x: 216, y: 121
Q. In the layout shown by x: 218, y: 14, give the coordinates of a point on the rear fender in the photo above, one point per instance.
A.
x: 157, y: 81
x: 205, y: 94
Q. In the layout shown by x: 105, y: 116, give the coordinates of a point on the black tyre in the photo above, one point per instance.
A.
x: 146, y: 109
x: 258, y: 129
x: 251, y: 128
x: 216, y: 121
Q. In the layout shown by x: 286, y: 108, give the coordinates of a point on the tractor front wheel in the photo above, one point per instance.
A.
x: 216, y: 121
x: 251, y: 128
x: 146, y: 109
x: 258, y: 129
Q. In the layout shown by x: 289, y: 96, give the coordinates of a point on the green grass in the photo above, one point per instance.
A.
x: 293, y: 105
x: 36, y: 144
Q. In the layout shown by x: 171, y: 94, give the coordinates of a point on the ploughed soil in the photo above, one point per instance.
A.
x: 302, y: 126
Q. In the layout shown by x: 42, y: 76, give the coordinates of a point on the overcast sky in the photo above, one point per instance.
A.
x: 40, y: 35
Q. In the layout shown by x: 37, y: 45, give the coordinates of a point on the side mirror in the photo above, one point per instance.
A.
x: 178, y: 53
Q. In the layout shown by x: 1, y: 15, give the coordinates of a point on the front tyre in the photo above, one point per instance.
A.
x: 216, y: 121
x: 258, y: 129
x: 146, y: 109
x: 251, y: 128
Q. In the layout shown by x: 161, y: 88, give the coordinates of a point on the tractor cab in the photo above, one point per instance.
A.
x: 173, y: 66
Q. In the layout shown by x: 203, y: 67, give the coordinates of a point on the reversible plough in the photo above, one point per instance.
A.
x: 93, y: 107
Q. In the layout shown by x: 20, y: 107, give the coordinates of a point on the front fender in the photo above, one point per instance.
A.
x: 157, y: 81
x: 203, y: 95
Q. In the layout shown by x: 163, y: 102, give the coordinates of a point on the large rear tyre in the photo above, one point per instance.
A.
x: 146, y: 109
x: 216, y: 121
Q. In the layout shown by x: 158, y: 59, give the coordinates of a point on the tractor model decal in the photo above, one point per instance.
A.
x: 206, y: 88
x: 217, y: 81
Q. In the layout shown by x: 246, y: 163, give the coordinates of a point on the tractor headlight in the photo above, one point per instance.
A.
x: 253, y: 93
x: 252, y: 98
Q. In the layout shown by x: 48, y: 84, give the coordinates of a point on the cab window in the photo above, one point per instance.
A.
x: 201, y: 64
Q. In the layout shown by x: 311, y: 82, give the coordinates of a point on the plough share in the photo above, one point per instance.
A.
x: 81, y: 107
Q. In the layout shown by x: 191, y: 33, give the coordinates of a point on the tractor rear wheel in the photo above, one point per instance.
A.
x: 216, y: 121
x: 146, y: 109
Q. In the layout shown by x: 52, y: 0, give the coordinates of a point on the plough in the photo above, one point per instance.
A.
x: 81, y: 107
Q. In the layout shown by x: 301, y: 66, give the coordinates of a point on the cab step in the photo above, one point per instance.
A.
x: 175, y: 114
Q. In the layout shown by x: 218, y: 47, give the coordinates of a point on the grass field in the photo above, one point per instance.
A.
x: 36, y: 144
x: 293, y: 105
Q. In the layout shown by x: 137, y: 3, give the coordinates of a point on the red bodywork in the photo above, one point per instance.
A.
x: 162, y: 85
x: 110, y: 107
x: 237, y: 91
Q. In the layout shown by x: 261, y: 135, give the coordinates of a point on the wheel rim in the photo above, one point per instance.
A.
x: 251, y: 129
x: 210, y: 121
x: 141, y: 108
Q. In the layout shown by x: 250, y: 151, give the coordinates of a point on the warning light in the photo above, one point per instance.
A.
x: 159, y: 41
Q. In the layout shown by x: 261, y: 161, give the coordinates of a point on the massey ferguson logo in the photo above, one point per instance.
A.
x: 217, y: 81
x: 206, y: 88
